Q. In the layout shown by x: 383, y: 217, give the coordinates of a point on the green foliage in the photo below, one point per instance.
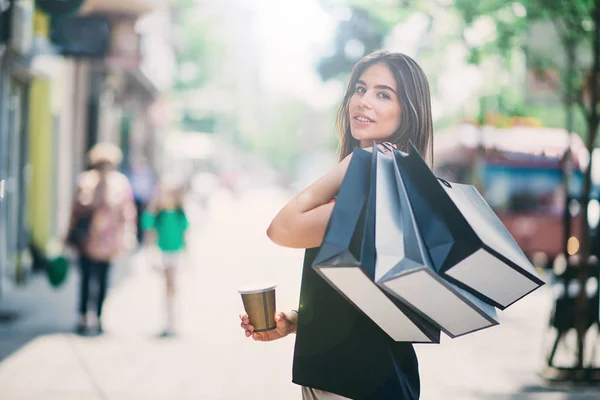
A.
x: 385, y: 13
x: 554, y: 115
x: 509, y: 22
x: 198, y: 48
x: 198, y: 123
x: 358, y: 26
x: 572, y: 21
x: 370, y: 16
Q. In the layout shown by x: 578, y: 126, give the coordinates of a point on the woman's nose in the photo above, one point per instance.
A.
x: 365, y: 101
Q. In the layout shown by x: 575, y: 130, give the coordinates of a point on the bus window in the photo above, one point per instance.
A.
x: 518, y: 189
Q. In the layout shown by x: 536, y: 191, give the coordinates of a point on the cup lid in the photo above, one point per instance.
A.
x: 256, y: 288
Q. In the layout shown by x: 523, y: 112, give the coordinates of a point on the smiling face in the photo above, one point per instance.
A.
x: 387, y: 100
x: 374, y: 108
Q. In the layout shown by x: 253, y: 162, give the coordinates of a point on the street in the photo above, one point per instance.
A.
x: 210, y: 358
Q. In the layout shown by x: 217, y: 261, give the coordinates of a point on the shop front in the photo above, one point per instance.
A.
x: 15, y: 79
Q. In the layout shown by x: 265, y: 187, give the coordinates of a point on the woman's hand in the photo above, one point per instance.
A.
x: 286, y: 324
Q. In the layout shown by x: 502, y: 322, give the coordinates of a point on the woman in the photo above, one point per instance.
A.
x: 339, y: 351
x: 102, y: 221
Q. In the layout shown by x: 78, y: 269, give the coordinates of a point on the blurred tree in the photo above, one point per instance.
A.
x: 196, y: 47
x: 427, y: 30
x: 358, y: 33
x: 198, y: 123
x: 386, y: 13
x: 497, y: 27
x: 370, y: 22
x: 362, y: 27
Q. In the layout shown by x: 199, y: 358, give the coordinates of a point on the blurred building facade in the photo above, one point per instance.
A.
x: 72, y: 73
x: 16, y: 76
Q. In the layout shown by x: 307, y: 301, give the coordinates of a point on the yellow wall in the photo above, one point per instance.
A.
x: 41, y: 24
x: 40, y: 153
x: 41, y: 149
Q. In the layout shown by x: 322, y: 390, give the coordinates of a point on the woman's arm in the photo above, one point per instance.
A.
x: 75, y: 208
x: 301, y: 223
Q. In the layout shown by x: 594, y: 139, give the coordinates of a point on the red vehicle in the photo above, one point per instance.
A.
x: 518, y: 171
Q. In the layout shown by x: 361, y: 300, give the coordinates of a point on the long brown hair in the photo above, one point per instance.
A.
x: 415, y: 101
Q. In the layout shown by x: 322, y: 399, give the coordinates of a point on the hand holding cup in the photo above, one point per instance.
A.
x: 261, y: 321
x: 285, y: 324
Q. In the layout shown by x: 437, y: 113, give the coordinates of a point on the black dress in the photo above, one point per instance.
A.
x: 340, y: 350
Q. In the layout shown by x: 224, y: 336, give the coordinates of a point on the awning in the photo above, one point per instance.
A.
x: 125, y: 7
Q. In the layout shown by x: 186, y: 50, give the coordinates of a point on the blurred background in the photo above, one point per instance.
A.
x: 237, y: 99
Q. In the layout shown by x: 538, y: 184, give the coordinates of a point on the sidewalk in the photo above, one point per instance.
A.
x: 41, y: 309
x: 211, y: 359
x: 38, y: 310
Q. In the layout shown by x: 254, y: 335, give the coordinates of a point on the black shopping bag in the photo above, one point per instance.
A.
x: 404, y: 268
x: 467, y: 242
x: 346, y: 259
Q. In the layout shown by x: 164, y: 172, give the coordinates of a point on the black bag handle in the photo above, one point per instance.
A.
x: 444, y: 182
x: 391, y: 148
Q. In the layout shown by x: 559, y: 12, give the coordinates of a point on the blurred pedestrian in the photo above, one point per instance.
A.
x: 102, y: 225
x: 165, y: 224
x: 339, y: 351
x: 143, y: 182
x: 203, y: 185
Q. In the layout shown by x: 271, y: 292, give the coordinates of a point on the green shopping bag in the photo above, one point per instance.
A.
x: 57, y: 264
x: 57, y: 270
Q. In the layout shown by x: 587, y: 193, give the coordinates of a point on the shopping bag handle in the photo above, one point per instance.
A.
x: 391, y: 148
x: 444, y: 182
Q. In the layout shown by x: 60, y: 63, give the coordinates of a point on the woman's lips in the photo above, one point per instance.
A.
x: 362, y: 120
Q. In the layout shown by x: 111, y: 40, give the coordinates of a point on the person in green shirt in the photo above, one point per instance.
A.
x: 165, y: 225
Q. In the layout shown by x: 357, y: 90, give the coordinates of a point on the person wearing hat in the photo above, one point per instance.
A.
x: 102, y: 225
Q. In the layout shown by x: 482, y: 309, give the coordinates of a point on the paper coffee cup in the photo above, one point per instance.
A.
x: 259, y: 303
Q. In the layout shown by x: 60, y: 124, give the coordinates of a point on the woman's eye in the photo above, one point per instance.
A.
x: 384, y: 95
x: 360, y: 89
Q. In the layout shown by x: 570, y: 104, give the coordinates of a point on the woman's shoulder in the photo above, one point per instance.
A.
x: 120, y: 182
x: 119, y: 177
x: 87, y: 179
